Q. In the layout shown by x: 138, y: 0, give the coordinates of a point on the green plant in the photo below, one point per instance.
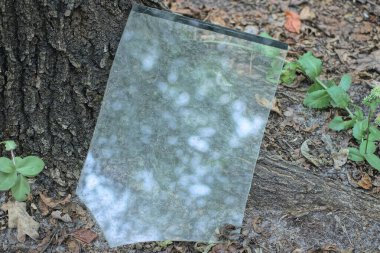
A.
x: 15, y: 171
x: 327, y: 93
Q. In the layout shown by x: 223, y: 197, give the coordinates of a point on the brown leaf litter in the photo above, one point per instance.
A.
x: 20, y: 219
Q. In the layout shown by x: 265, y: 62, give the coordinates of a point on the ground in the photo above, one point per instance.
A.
x: 345, y: 35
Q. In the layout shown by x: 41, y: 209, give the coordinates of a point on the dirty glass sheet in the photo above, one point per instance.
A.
x: 179, y: 131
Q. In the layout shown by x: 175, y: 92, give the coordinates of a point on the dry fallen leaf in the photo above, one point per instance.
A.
x: 44, y: 209
x: 340, y: 158
x: 218, y: 17
x: 310, y: 128
x: 365, y: 182
x: 53, y: 203
x: 307, y: 14
x: 58, y: 215
x: 305, y: 151
x: 20, y: 219
x: 272, y: 105
x: 85, y: 235
x: 292, y: 22
x: 256, y: 225
x: 73, y: 246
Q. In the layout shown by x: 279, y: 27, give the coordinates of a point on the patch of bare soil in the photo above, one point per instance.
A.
x: 346, y: 36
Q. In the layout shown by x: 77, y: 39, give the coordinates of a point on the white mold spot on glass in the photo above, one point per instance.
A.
x: 128, y: 35
x: 239, y: 107
x: 186, y: 180
x: 225, y: 99
x: 173, y: 93
x: 203, y: 90
x: 117, y: 105
x: 185, y: 159
x: 172, y: 77
x: 215, y: 155
x: 234, y: 141
x: 199, y: 190
x: 92, y: 181
x: 146, y: 130
x: 246, y: 127
x: 149, y: 184
x: 207, y: 131
x: 163, y: 86
x: 171, y: 121
x: 172, y: 140
x: 107, y: 153
x: 183, y: 99
x: 148, y: 61
x: 197, y: 143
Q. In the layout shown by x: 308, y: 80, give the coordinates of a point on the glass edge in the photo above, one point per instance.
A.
x: 207, y: 26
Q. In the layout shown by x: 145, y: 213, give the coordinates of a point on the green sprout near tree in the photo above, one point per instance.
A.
x: 327, y: 93
x: 15, y: 171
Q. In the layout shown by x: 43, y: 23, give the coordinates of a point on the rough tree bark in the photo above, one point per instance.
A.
x: 55, y: 58
x: 297, y: 207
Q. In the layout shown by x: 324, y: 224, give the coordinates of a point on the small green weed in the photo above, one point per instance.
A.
x: 14, y: 172
x: 327, y: 93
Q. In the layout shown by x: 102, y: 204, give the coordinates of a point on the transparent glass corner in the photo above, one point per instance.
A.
x: 179, y: 131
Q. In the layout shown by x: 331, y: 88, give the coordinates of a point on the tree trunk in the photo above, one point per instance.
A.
x: 55, y: 58
x: 299, y: 208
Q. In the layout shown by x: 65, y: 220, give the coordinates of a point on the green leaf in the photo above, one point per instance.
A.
x: 272, y: 74
x: 311, y: 65
x: 339, y: 124
x: 317, y: 86
x: 345, y: 82
x: 18, y: 159
x: 371, y: 147
x: 7, y: 180
x: 288, y: 74
x: 373, y: 160
x: 30, y: 166
x: 339, y: 97
x: 374, y: 133
x: 359, y: 129
x: 354, y: 155
x: 9, y: 145
x: 358, y: 113
x: 317, y: 99
x: 21, y: 189
x: 314, y: 87
x: 6, y: 165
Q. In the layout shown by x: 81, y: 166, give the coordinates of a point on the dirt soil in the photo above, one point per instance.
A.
x: 344, y: 34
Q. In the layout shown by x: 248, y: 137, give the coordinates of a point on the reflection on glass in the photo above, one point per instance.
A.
x: 179, y: 131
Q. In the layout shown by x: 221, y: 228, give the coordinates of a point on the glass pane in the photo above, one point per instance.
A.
x: 180, y: 128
